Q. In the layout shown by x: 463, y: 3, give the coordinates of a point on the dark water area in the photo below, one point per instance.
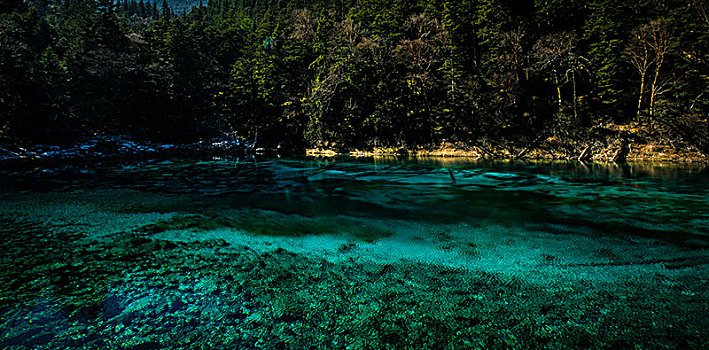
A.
x: 354, y: 253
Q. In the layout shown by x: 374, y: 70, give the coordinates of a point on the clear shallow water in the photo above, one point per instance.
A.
x: 358, y: 253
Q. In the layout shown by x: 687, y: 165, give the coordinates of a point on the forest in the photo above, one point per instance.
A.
x: 357, y: 73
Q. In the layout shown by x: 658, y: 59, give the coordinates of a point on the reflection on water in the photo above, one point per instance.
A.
x: 665, y: 202
x: 95, y: 255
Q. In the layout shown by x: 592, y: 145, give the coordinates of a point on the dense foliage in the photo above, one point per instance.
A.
x: 355, y: 72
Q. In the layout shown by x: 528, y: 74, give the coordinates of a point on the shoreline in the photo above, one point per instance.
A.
x: 106, y: 149
x: 636, y: 153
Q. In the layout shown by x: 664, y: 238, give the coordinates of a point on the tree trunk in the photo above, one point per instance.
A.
x: 653, y: 90
x: 532, y: 145
x: 573, y: 84
x: 640, y: 95
x: 558, y: 87
x: 661, y: 40
x: 622, y: 153
x: 584, y: 154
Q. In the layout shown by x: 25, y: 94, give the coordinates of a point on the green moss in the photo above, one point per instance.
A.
x: 194, y: 223
x: 283, y: 298
x: 271, y: 223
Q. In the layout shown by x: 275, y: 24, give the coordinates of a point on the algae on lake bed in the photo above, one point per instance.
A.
x: 227, y: 270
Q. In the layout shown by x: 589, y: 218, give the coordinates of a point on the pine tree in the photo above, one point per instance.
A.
x: 166, y: 13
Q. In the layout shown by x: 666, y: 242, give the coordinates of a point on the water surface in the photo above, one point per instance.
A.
x: 354, y: 253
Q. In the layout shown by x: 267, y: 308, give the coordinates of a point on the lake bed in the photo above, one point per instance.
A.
x: 355, y: 253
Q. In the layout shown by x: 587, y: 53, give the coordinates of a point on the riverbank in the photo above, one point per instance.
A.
x: 604, y: 143
x: 550, y: 149
x: 623, y: 145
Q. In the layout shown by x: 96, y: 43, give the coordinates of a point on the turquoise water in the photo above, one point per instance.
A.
x: 354, y: 253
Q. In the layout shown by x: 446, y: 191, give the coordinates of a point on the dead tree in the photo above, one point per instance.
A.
x: 646, y: 50
x: 660, y: 41
x: 639, y: 54
x: 551, y: 53
x: 555, y: 54
x: 304, y: 26
x: 508, y: 61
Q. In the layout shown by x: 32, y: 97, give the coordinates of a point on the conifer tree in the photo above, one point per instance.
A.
x: 165, y: 9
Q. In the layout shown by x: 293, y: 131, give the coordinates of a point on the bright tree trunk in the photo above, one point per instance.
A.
x: 653, y: 91
x: 573, y: 84
x: 558, y: 88
x: 640, y: 96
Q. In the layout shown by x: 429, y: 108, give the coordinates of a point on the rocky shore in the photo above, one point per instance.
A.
x: 608, y: 143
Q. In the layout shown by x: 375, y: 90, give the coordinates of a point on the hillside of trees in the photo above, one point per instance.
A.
x: 357, y: 73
